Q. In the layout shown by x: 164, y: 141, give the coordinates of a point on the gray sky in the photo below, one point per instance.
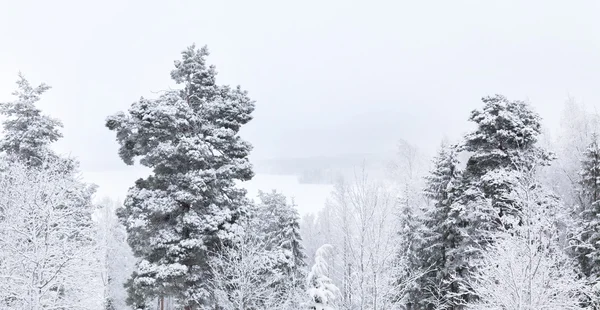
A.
x: 329, y: 77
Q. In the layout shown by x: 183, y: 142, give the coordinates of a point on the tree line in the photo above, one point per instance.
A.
x: 504, y: 218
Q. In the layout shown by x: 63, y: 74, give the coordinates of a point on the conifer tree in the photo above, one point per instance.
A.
x: 440, y: 235
x: 411, y: 234
x: 27, y: 132
x: 189, y: 205
x: 282, y: 229
x: 320, y: 287
x: 54, y: 207
x: 502, y: 145
x: 504, y: 141
x: 589, y: 250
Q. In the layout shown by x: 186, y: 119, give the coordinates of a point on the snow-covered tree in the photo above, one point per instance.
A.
x: 505, y: 138
x: 575, y: 132
x: 504, y: 141
x: 438, y: 234
x: 359, y: 221
x: 49, y: 259
x: 411, y: 247
x: 310, y: 236
x: 321, y: 290
x: 189, y: 205
x: 116, y: 256
x: 525, y: 266
x: 588, y: 214
x: 27, y: 132
x: 245, y: 274
x: 280, y: 223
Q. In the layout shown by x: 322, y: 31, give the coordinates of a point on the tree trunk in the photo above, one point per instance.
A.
x: 162, y: 303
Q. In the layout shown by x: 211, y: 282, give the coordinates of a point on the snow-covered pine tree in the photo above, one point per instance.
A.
x: 320, y: 288
x: 440, y: 236
x: 503, y: 143
x: 588, y: 252
x: 189, y: 205
x: 281, y: 226
x: 27, y: 132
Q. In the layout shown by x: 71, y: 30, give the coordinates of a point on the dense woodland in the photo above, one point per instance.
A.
x: 506, y: 217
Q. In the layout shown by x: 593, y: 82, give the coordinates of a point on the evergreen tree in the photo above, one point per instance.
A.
x: 282, y: 229
x: 27, y: 132
x: 180, y: 214
x: 504, y: 141
x: 412, y: 232
x: 441, y: 234
x: 589, y: 250
x: 321, y: 290
x: 502, y: 145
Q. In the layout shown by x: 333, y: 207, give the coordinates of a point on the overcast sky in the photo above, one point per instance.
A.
x: 329, y: 77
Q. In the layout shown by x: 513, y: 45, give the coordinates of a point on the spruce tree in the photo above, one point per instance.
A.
x: 441, y: 233
x: 181, y: 214
x: 411, y: 245
x: 321, y: 290
x: 588, y: 252
x: 62, y: 203
x: 281, y: 226
x: 27, y: 132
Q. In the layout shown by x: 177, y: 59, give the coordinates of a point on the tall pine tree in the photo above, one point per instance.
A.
x: 504, y: 141
x: 502, y: 145
x: 180, y: 214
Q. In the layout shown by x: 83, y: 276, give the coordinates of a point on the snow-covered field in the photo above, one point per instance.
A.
x: 309, y: 198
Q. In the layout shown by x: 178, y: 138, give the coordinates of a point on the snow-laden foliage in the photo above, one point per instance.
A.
x: 437, y: 234
x: 280, y: 224
x: 27, y: 132
x: 246, y: 275
x: 261, y: 269
x: 320, y: 288
x: 49, y: 259
x: 588, y: 212
x: 115, y: 254
x: 525, y: 267
x: 575, y: 133
x: 505, y: 139
x: 181, y: 213
x: 503, y: 142
x: 360, y: 221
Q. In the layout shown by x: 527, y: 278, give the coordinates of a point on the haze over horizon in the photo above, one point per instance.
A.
x: 389, y: 63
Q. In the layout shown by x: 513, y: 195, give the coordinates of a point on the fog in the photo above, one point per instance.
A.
x: 330, y: 78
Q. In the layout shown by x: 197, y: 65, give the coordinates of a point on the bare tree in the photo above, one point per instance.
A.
x: 525, y: 267
x: 49, y: 259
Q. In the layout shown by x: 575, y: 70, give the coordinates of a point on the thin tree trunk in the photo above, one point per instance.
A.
x: 162, y: 303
